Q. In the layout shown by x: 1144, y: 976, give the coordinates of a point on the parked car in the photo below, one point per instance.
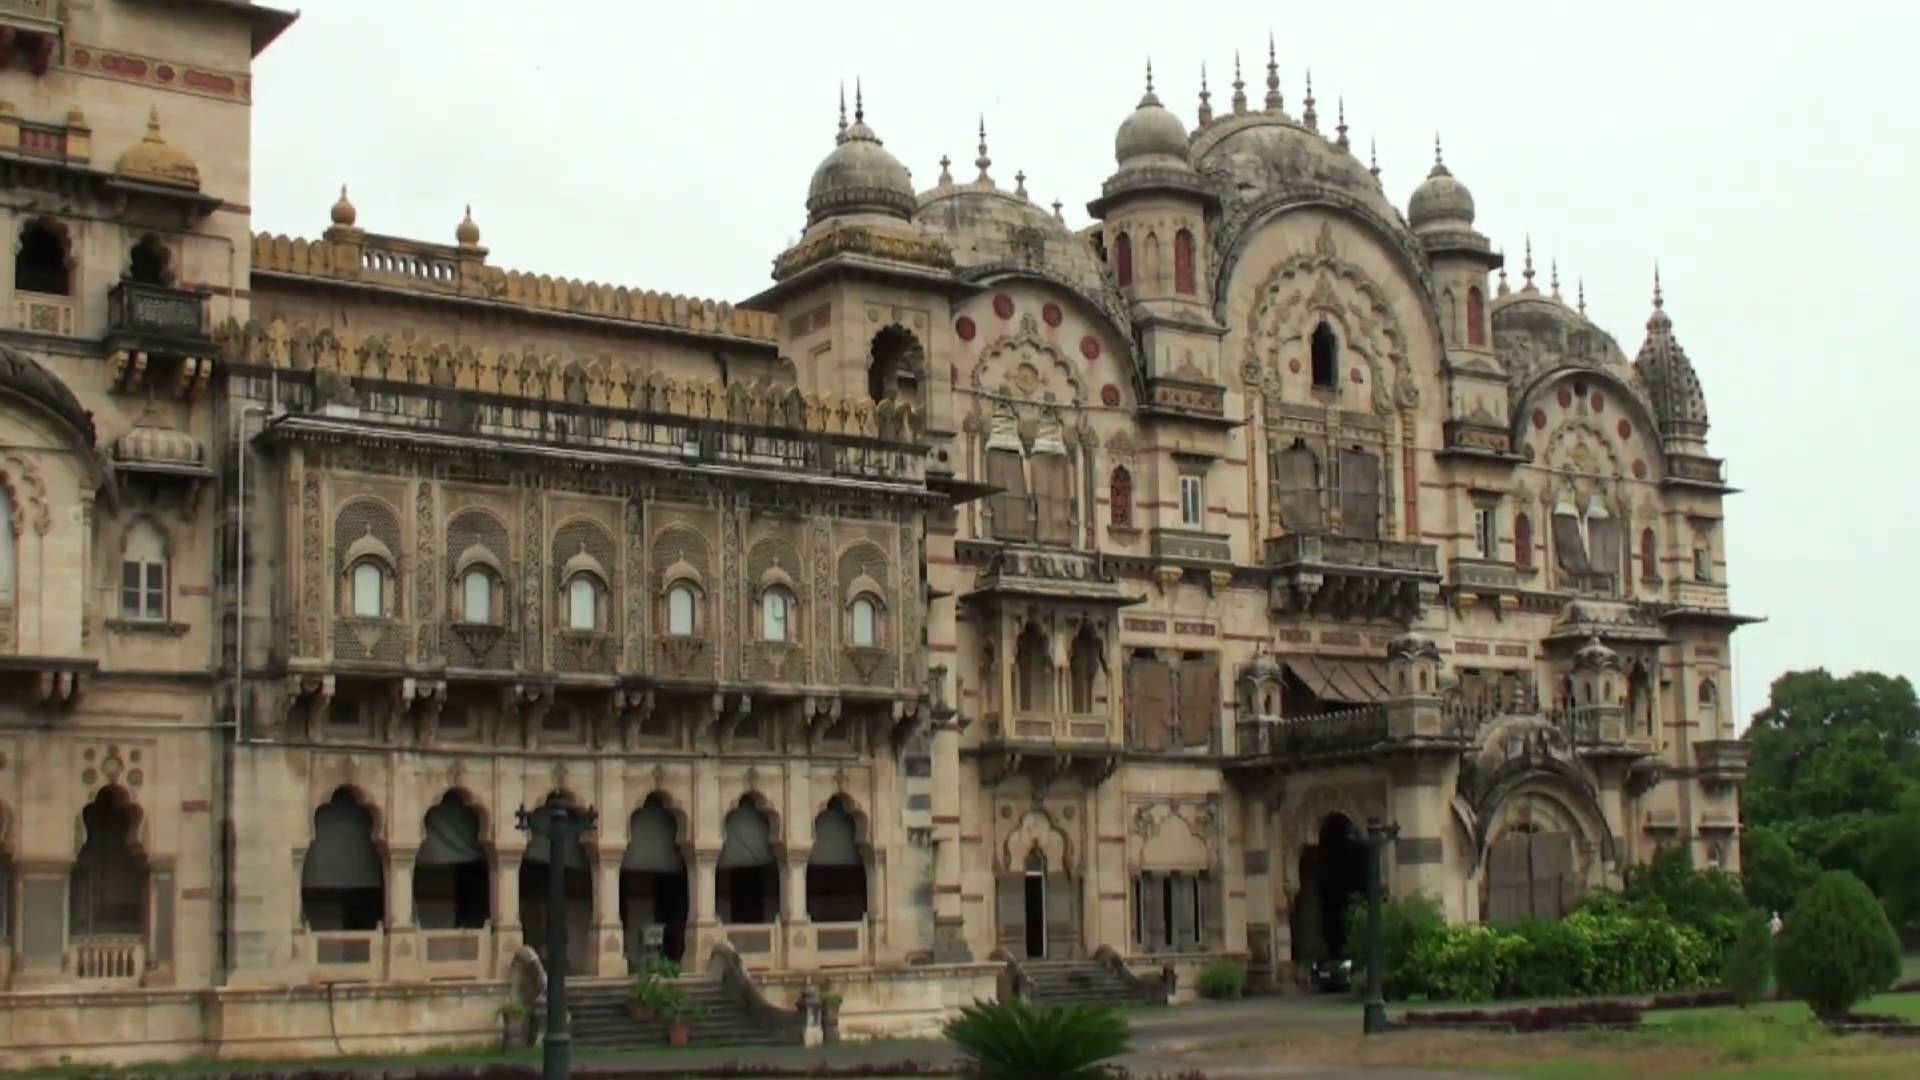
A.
x: 1332, y: 975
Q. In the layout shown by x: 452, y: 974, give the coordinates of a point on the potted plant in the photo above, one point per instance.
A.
x: 654, y: 992
x: 679, y: 1020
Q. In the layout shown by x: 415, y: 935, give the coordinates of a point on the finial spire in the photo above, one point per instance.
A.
x: 1659, y: 301
x: 1580, y: 285
x: 843, y: 112
x: 1341, y: 127
x: 1439, y: 159
x: 1373, y: 158
x: 983, y: 160
x: 1149, y: 75
x: 1504, y: 288
x: 1206, y: 98
x: 1311, y: 118
x: 1020, y: 183
x: 1057, y: 215
x: 946, y: 171
x: 1554, y: 279
x: 1274, y: 102
x: 1239, y: 87
x: 859, y: 103
x: 1528, y: 272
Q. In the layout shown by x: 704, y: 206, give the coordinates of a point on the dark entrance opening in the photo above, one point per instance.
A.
x: 577, y: 885
x: 836, y: 872
x: 1333, y: 874
x: 653, y: 883
x: 452, y: 883
x: 1036, y: 900
x: 746, y: 882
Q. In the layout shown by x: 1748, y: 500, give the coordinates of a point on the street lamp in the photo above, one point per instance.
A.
x: 1374, y: 1019
x: 561, y: 825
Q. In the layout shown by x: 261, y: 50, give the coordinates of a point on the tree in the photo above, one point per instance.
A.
x: 1838, y: 946
x: 1749, y: 964
x: 1772, y: 872
x: 1826, y: 746
x: 1895, y: 857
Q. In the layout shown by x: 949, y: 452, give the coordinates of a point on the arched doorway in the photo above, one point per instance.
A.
x: 577, y: 886
x: 1333, y: 873
x: 342, y: 881
x: 653, y: 883
x: 747, y: 883
x: 836, y: 874
x: 1532, y: 873
x: 107, y: 890
x: 452, y: 881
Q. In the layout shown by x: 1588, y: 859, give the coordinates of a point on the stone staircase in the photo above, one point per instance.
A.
x: 601, y: 1018
x: 1086, y: 982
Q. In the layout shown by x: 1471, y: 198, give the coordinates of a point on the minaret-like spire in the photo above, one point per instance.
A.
x: 1206, y: 99
x: 1659, y: 301
x: 1274, y: 102
x: 1503, y: 290
x: 1341, y: 127
x: 1373, y: 158
x: 1307, y: 115
x: 983, y: 161
x: 859, y: 103
x: 1439, y: 159
x: 1057, y: 215
x: 1149, y: 76
x: 1528, y: 271
x: 842, y: 136
x: 1020, y: 183
x: 1580, y: 285
x: 946, y: 171
x: 1554, y: 279
x: 1239, y: 87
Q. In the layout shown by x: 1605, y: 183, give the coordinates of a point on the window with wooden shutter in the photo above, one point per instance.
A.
x: 1296, y: 488
x: 1213, y: 917
x: 1010, y: 897
x: 1053, y: 497
x: 1360, y: 494
x: 1150, y: 701
x: 1012, y: 519
x: 1063, y: 914
x: 1569, y: 539
x: 1199, y: 699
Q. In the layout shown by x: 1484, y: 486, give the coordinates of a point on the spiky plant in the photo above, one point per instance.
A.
x: 1018, y: 1041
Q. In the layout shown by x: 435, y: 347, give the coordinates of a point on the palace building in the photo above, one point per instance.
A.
x: 986, y: 602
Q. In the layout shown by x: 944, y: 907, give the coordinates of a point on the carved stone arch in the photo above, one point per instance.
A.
x: 1164, y: 830
x: 1011, y: 367
x: 465, y: 796
x: 1037, y: 829
x: 1306, y: 288
x: 676, y: 808
x: 862, y: 820
x: 1538, y: 389
x: 1570, y: 443
x: 892, y: 351
x: 61, y: 233
x: 1314, y: 806
x: 1564, y: 801
x: 776, y: 824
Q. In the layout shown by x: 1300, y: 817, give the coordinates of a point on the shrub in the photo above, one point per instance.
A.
x: 1404, y: 924
x: 1017, y: 1041
x: 1838, y: 946
x: 1586, y: 953
x: 1749, y: 964
x: 1223, y: 979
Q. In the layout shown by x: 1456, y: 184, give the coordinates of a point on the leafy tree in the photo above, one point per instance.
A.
x: 1826, y: 746
x: 1837, y: 947
x: 1710, y: 901
x: 1749, y: 964
x: 1895, y: 858
x: 1017, y: 1041
x: 1772, y: 871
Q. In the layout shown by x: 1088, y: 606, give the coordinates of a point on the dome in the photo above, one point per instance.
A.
x: 1262, y: 153
x: 343, y: 211
x: 860, y: 176
x: 20, y: 374
x: 153, y: 161
x: 1595, y: 656
x: 151, y: 443
x: 1150, y: 134
x: 467, y: 233
x: 1440, y: 199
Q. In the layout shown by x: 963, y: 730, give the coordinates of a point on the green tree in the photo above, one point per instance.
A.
x: 1772, y: 871
x: 1749, y: 965
x: 1838, y: 946
x: 1826, y: 746
x: 1895, y: 856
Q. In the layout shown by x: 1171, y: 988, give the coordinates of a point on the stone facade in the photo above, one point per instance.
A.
x: 982, y: 589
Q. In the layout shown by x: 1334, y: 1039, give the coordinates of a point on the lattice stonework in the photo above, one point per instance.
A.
x: 634, y: 590
x: 866, y: 558
x: 530, y: 620
x: 825, y: 610
x: 362, y: 639
x: 674, y: 546
x: 469, y: 528
x: 785, y: 662
x: 425, y: 603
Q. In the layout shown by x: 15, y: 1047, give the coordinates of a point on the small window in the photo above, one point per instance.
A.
x: 866, y: 632
x: 1326, y: 358
x: 149, y: 263
x: 776, y: 610
x: 583, y: 603
x: 143, y: 575
x: 680, y: 607
x: 1522, y: 540
x: 1183, y: 277
x: 1476, y: 316
x: 1649, y: 562
x: 1192, y: 506
x: 1485, y: 539
x: 1702, y: 563
x: 40, y: 264
x: 1123, y: 260
x: 369, y: 590
x: 1120, y: 498
x: 476, y: 591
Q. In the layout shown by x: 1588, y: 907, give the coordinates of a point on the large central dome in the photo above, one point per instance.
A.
x: 860, y: 176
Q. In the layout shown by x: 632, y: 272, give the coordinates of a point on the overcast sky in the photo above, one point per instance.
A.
x: 1764, y: 153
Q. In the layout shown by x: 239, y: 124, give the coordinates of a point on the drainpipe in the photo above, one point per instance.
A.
x: 235, y: 730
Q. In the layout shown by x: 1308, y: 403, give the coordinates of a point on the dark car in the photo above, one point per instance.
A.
x: 1332, y: 974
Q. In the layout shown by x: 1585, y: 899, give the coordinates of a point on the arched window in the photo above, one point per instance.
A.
x: 107, y: 888
x: 836, y: 872
x: 892, y: 363
x: 1326, y: 357
x: 369, y: 590
x: 1183, y: 262
x: 1709, y: 707
x: 1123, y: 260
x: 583, y: 602
x: 1033, y: 672
x: 1522, y: 540
x: 746, y: 880
x: 1120, y: 497
x: 866, y: 623
x: 143, y: 574
x: 40, y: 263
x: 776, y: 614
x: 150, y: 263
x: 1086, y: 669
x: 452, y: 887
x: 1476, y: 316
x: 680, y: 610
x: 1649, y: 564
x: 342, y: 882
x: 476, y: 596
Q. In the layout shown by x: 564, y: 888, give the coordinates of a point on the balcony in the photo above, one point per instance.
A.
x: 1047, y: 745
x: 1047, y: 574
x: 1722, y: 761
x: 1190, y: 548
x: 1344, y: 577
x: 1345, y: 731
x: 1473, y: 580
x: 43, y: 313
x: 155, y: 333
x: 1698, y: 471
x: 32, y: 26
x: 108, y: 959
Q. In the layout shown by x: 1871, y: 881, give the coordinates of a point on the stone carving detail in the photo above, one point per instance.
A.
x: 863, y: 566
x: 909, y: 596
x: 313, y: 569
x: 29, y: 495
x: 533, y: 543
x: 825, y: 609
x: 635, y: 590
x: 730, y: 574
x: 425, y: 609
x: 1025, y: 365
x: 1305, y: 286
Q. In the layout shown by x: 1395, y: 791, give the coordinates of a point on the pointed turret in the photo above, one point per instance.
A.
x: 1206, y: 99
x: 1275, y: 103
x: 1678, y: 404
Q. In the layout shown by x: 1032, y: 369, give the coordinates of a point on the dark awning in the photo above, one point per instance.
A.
x: 747, y: 842
x: 833, y: 839
x: 451, y: 836
x: 342, y: 855
x: 1340, y: 678
x: 653, y: 842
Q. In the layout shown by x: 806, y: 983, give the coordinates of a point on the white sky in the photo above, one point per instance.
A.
x: 1763, y: 152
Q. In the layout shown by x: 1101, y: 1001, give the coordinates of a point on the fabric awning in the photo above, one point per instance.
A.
x: 451, y: 836
x: 1339, y: 678
x: 652, y: 842
x: 539, y: 850
x: 342, y: 855
x: 747, y: 842
x: 833, y: 839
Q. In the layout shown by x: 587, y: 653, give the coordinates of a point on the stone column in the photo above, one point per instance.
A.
x: 608, y: 957
x: 794, y: 921
x: 706, y: 916
x: 949, y: 920
x: 1255, y: 860
x: 1418, y: 861
x: 405, y: 962
x: 506, y: 908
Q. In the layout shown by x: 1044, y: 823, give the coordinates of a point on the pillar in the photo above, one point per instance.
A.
x: 1255, y: 860
x: 1420, y: 807
x: 705, y: 914
x: 608, y: 957
x: 949, y: 921
x: 404, y: 960
x: 506, y: 908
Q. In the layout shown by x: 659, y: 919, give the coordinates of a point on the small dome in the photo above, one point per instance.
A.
x: 151, y: 442
x: 1440, y: 199
x: 467, y: 233
x: 21, y: 374
x: 153, y: 161
x: 343, y: 211
x: 1595, y: 656
x: 859, y: 176
x: 1412, y: 645
x: 1151, y: 132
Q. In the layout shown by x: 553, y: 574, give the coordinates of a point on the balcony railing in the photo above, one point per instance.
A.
x: 762, y: 946
x: 154, y: 311
x: 1322, y: 733
x: 456, y: 954
x: 1488, y: 575
x: 1327, y: 550
x: 1191, y: 546
x: 108, y: 958
x: 345, y: 955
x: 841, y: 944
x: 1051, y: 728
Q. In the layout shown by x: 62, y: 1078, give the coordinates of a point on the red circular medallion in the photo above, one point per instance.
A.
x: 81, y: 57
x: 1625, y: 428
x: 1356, y: 376
x: 1566, y: 398
x: 1090, y: 347
x: 1294, y: 366
x: 1599, y: 402
x: 1003, y: 306
x: 964, y: 327
x: 1527, y: 451
x: 1639, y: 470
x: 1110, y: 396
x: 1540, y: 419
x: 1051, y: 313
x: 164, y: 72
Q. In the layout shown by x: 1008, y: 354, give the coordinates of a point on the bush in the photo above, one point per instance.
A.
x: 1223, y: 979
x: 1404, y: 925
x: 1749, y: 964
x: 1838, y: 946
x: 1711, y: 902
x: 1584, y: 954
x: 1017, y: 1041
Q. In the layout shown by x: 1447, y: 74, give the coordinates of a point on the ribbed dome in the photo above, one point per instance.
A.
x: 20, y: 374
x: 859, y: 176
x: 150, y: 442
x: 1595, y: 656
x: 1151, y: 134
x: 1440, y: 200
x: 153, y: 161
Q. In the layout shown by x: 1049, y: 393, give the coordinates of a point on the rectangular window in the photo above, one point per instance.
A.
x: 143, y: 590
x: 1702, y: 563
x: 1485, y: 539
x: 1192, y: 506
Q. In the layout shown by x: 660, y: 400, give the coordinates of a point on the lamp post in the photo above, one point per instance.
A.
x: 561, y: 825
x: 1374, y: 1020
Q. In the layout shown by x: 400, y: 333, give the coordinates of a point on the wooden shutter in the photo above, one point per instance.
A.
x: 1213, y: 910
x: 1011, y: 901
x: 1182, y: 913
x: 1569, y: 547
x: 1153, y: 914
x: 1012, y: 519
x: 1063, y: 916
x: 1199, y: 700
x: 1508, y: 884
x: 1150, y: 701
x: 1053, y: 497
x: 1604, y: 534
x: 1551, y: 856
x: 1296, y: 489
x: 1360, y: 494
